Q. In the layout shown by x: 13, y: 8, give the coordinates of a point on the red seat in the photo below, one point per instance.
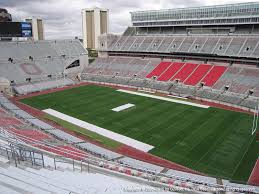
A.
x: 198, y: 74
x: 65, y: 151
x: 175, y: 67
x: 9, y: 121
x: 159, y: 69
x: 212, y: 77
x: 31, y: 134
x: 185, y: 72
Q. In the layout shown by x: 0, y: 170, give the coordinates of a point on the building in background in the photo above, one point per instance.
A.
x: 37, y: 28
x: 5, y: 16
x: 95, y: 22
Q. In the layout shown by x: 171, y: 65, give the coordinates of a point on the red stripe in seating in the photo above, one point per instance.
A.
x: 159, y: 69
x: 198, y: 74
x: 213, y: 76
x: 185, y: 72
x: 176, y: 66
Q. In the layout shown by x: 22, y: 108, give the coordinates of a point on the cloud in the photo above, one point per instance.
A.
x: 62, y: 18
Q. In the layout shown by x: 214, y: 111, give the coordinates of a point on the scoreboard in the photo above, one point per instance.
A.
x: 15, y: 29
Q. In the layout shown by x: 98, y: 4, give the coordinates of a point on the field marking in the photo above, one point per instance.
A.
x: 179, y: 97
x: 104, y: 132
x: 163, y: 98
x: 123, y: 107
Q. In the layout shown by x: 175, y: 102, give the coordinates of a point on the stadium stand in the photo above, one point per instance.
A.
x: 64, y: 136
x: 38, y: 60
x: 143, y: 58
x: 129, y: 166
x: 46, y: 180
x: 212, y: 77
x: 197, y: 75
x: 193, y: 76
x: 40, y: 86
x: 141, y: 165
x: 171, y: 71
x: 185, y: 72
x: 187, y: 176
x: 97, y: 150
x: 221, y: 45
x: 161, y: 68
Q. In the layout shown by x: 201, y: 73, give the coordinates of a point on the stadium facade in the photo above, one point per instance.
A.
x: 225, y: 32
x: 232, y: 14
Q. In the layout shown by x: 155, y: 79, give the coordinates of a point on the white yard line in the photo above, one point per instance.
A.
x: 122, y: 107
x: 179, y: 97
x: 163, y: 98
x: 104, y: 132
x: 147, y: 91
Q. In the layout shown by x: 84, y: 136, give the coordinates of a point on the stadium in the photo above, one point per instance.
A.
x: 172, y: 104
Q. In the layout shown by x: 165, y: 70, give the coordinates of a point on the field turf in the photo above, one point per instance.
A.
x: 213, y: 141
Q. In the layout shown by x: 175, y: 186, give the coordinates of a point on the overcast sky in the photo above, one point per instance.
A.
x: 62, y: 18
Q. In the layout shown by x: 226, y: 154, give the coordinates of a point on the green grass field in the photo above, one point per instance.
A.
x: 213, y: 141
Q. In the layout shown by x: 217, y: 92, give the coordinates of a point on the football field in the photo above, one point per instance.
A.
x: 213, y: 141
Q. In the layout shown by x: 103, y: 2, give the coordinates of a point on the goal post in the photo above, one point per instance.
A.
x: 255, y: 119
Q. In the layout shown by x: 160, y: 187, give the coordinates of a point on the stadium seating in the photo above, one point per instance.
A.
x: 165, y: 45
x: 97, y: 150
x: 37, y: 60
x: 141, y: 165
x: 30, y: 134
x: 40, y: 86
x: 155, y: 45
x: 64, y: 136
x: 162, y: 67
x: 173, y: 69
x: 223, y: 45
x: 198, y: 74
x: 209, y: 45
x: 212, y: 77
x: 185, y: 72
x: 63, y: 180
x: 256, y: 91
x: 7, y: 121
x: 186, y: 44
x: 235, y: 79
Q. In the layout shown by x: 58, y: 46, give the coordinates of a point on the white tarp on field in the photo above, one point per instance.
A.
x: 122, y: 107
x: 163, y: 98
x: 104, y: 132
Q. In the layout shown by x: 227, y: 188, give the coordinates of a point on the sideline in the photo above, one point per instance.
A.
x: 165, y: 99
x: 115, y: 136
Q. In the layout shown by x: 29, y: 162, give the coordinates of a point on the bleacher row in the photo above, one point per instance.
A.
x: 61, y: 181
x: 238, y: 79
x: 17, y: 129
x: 36, y: 137
x: 38, y: 124
x: 239, y: 46
x: 175, y: 89
x: 124, y: 66
x: 188, y: 73
x: 37, y: 60
x: 43, y: 85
